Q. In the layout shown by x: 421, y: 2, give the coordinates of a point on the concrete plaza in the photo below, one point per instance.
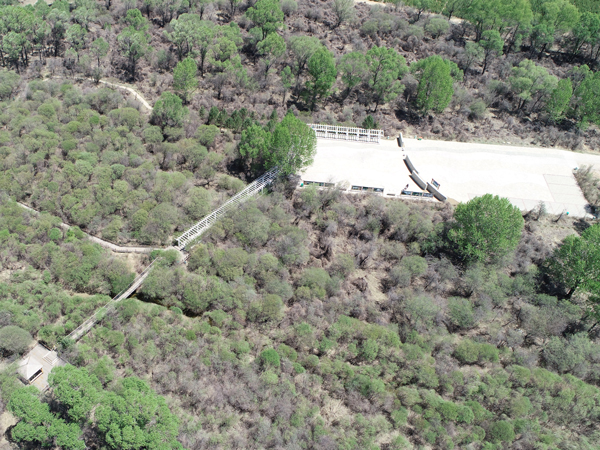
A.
x: 526, y: 175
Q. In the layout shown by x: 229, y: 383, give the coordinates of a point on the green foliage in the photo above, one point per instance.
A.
x: 38, y: 426
x: 559, y: 99
x: 576, y: 263
x: 76, y: 390
x: 14, y: 339
x: 322, y: 74
x: 133, y: 45
x: 385, y: 67
x: 343, y: 10
x: 437, y: 26
x: 492, y: 44
x: 169, y: 111
x: 269, y: 358
x: 487, y: 228
x: 531, y: 82
x: 436, y: 77
x: 470, y: 352
x: 586, y: 100
x: 353, y: 69
x: 293, y: 146
x: 461, y: 312
x: 267, y: 15
x: 206, y: 134
x: 271, y: 48
x: 501, y: 431
x: 133, y: 416
x: 184, y: 78
x: 9, y: 80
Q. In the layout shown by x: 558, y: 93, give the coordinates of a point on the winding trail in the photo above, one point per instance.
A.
x: 131, y: 90
x: 104, y: 243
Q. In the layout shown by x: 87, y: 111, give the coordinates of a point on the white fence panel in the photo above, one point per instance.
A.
x: 346, y: 133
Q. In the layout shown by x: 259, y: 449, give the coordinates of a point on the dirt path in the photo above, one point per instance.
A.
x: 135, y: 93
x: 106, y: 244
x: 131, y: 90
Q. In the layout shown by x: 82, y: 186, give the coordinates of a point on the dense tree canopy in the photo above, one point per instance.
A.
x: 487, y: 228
x: 436, y: 78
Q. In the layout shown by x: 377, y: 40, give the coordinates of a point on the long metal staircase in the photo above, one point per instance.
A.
x: 193, y: 233
x: 99, y: 314
x: 252, y: 189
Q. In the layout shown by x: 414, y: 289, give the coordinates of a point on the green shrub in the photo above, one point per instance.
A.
x: 399, y: 416
x: 14, y: 339
x: 519, y: 406
x: 152, y: 135
x: 269, y: 358
x: 343, y: 265
x: 369, y: 350
x: 46, y: 110
x: 298, y: 368
x: 477, y: 109
x: 465, y: 414
x: 317, y: 280
x: 461, y: 312
x: 287, y: 352
x: 206, y: 134
x: 230, y: 262
x: 311, y: 361
x: 488, y: 353
x: 467, y: 351
x: 501, y: 431
x: 55, y: 234
x: 448, y: 411
x: 409, y: 396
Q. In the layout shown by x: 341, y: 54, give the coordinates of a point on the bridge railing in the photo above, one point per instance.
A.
x: 346, y: 133
x: 99, y: 314
x: 200, y: 227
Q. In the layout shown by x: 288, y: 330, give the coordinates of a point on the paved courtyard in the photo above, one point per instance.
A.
x: 39, y: 358
x: 526, y: 175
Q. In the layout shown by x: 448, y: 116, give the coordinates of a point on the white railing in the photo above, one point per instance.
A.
x: 99, y: 314
x: 193, y: 233
x: 252, y: 189
x: 346, y: 133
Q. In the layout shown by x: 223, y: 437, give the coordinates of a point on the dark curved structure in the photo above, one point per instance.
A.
x: 409, y: 166
x: 417, y: 179
x: 437, y: 194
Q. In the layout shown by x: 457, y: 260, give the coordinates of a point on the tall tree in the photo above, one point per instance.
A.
x: 135, y: 417
x: 559, y: 99
x: 587, y: 100
x: 487, y: 228
x: 322, y: 74
x: 293, y: 146
x: 75, y: 36
x: 491, y: 42
x: 99, y: 49
x: 436, y: 78
x: 271, y: 49
x: 267, y: 15
x: 133, y: 44
x: 76, y: 390
x: 168, y: 111
x: 531, y: 83
x: 386, y: 66
x: 184, y: 78
x: 575, y: 265
x: 354, y: 70
x: 343, y: 11
x: 301, y: 49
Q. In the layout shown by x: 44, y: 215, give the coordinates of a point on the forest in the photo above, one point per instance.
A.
x: 307, y: 318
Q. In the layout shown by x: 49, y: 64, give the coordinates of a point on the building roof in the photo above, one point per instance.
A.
x: 28, y: 367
